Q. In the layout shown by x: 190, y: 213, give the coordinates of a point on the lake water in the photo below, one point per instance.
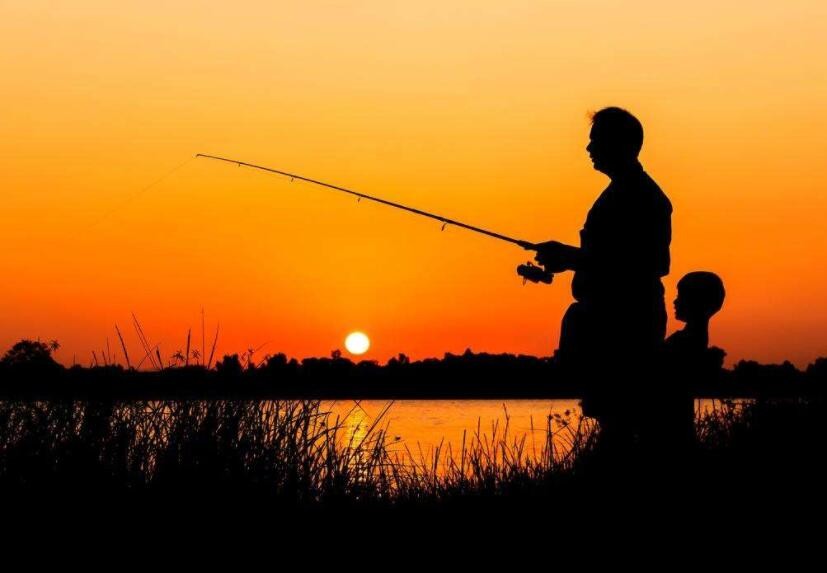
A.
x: 419, y: 427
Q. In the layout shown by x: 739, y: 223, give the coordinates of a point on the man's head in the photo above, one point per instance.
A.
x: 700, y: 295
x: 615, y: 139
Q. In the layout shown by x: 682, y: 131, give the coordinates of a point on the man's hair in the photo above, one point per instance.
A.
x: 703, y: 290
x: 621, y: 127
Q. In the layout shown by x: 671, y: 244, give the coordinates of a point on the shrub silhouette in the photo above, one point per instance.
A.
x: 229, y: 366
x: 31, y: 355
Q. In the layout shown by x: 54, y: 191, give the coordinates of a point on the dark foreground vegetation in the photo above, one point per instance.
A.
x: 101, y: 437
x: 28, y: 370
x: 290, y: 455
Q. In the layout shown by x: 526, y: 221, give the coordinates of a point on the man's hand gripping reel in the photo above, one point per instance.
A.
x: 530, y: 271
x: 534, y: 273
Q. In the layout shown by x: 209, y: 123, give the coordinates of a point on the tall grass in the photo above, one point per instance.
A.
x: 296, y: 453
x: 292, y: 451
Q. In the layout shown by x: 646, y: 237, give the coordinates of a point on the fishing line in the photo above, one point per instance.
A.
x: 139, y: 192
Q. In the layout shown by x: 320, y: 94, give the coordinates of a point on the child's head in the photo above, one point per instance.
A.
x: 700, y: 295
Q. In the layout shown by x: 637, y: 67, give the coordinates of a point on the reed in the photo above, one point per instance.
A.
x: 123, y: 347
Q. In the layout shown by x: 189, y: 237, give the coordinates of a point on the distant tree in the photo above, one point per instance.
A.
x: 817, y: 374
x: 276, y: 360
x: 230, y: 365
x: 31, y: 354
x: 818, y: 368
x: 399, y: 360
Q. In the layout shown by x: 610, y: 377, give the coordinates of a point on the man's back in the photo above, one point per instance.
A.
x: 625, y: 243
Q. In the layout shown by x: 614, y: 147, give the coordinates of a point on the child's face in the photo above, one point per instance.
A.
x: 681, y: 312
x: 687, y: 306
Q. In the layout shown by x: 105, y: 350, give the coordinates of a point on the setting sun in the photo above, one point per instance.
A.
x: 357, y: 343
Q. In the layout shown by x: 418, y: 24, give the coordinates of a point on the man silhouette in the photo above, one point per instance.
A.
x: 611, y: 335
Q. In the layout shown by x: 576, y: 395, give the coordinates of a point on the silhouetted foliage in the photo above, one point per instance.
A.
x: 30, y: 357
x: 28, y: 369
x: 229, y: 366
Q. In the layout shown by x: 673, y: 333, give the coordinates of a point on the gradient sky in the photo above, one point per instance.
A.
x: 475, y: 109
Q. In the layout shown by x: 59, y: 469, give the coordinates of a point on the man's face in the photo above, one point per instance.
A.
x: 606, y: 151
x: 597, y: 149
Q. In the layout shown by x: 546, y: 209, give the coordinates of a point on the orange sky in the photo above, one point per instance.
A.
x: 476, y: 110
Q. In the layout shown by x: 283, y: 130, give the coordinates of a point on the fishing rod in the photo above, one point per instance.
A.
x: 528, y: 271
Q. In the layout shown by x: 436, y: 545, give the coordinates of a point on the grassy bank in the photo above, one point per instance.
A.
x: 292, y: 454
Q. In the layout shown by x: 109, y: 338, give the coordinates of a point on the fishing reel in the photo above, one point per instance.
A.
x: 534, y: 273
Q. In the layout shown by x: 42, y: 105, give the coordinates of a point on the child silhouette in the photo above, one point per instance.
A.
x: 688, y: 357
x: 700, y: 295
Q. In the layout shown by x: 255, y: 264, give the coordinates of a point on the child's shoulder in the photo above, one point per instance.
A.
x: 681, y: 348
x: 685, y: 353
x: 678, y: 340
